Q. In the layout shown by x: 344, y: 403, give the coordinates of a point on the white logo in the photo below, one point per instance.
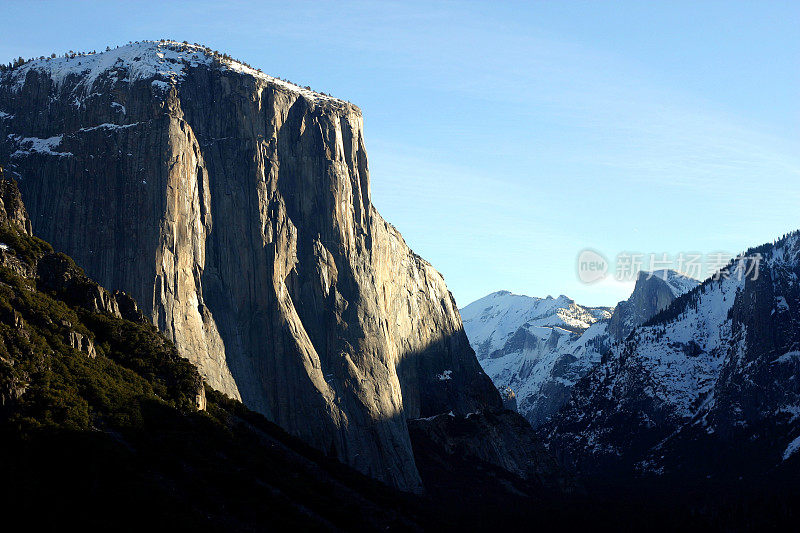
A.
x: 592, y: 266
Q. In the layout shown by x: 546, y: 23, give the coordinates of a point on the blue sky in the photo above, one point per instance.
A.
x: 504, y: 138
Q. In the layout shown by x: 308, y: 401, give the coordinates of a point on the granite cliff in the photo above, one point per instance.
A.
x: 235, y: 208
x: 653, y: 292
x: 96, y: 405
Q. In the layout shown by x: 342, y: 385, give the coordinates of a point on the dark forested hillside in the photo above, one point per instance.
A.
x: 102, y: 423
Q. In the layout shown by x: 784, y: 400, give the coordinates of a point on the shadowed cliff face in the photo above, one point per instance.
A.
x: 236, y: 210
x: 654, y: 291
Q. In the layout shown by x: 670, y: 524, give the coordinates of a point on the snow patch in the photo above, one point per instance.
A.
x: 788, y: 357
x: 30, y: 145
x: 791, y: 448
x: 108, y: 126
x: 792, y: 410
x: 161, y: 85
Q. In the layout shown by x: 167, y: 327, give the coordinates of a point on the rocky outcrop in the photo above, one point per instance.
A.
x: 128, y: 308
x: 235, y: 208
x: 12, y: 210
x: 13, y: 220
x: 509, y: 398
x: 82, y: 343
x: 653, y: 292
x: 57, y: 272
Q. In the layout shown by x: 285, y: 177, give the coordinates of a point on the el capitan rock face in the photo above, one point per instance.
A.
x: 235, y: 208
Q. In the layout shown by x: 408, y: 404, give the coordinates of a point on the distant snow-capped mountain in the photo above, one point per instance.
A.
x: 708, y: 388
x: 492, y: 321
x: 540, y: 347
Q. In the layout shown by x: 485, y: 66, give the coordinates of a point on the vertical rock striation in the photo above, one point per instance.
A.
x: 235, y: 208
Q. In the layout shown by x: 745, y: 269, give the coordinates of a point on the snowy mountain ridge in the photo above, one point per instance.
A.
x: 717, y: 368
x: 540, y: 347
x: 492, y: 320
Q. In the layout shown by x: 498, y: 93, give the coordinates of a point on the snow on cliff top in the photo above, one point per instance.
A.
x: 165, y: 60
